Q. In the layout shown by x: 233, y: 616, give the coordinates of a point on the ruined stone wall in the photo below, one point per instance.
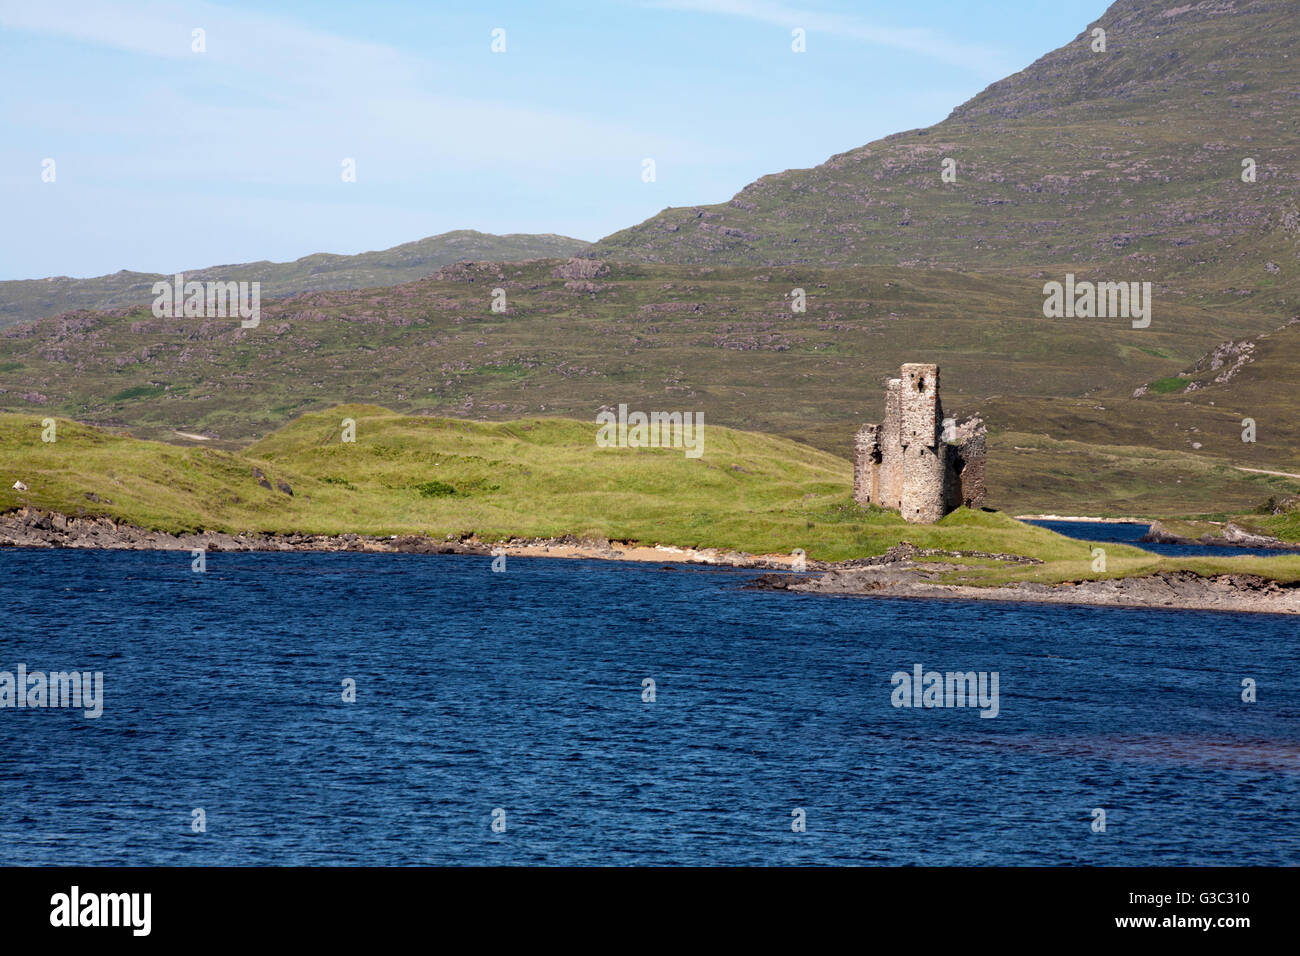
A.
x: 909, y: 462
x: 971, y: 450
x: 921, y: 478
x: 891, y: 447
x: 923, y: 483
x: 866, y: 465
x: 919, y: 385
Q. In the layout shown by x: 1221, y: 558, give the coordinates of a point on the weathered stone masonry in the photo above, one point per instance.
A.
x: 908, y: 462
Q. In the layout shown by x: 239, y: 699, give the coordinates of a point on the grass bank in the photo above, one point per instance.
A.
x: 536, y: 478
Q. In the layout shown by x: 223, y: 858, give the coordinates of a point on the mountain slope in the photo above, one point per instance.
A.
x: 722, y: 341
x: 25, y: 299
x: 1129, y: 159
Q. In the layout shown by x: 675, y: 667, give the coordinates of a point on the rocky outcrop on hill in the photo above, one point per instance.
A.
x: 577, y: 268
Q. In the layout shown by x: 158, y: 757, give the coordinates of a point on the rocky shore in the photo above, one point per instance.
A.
x: 1232, y: 536
x: 31, y: 528
x: 897, y: 573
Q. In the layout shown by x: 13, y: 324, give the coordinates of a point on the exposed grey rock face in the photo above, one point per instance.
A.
x: 1234, y: 355
x: 582, y: 269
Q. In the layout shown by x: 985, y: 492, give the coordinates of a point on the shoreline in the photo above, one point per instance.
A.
x: 1232, y: 536
x: 1083, y: 519
x: 31, y: 528
x: 1162, y: 590
x: 897, y: 573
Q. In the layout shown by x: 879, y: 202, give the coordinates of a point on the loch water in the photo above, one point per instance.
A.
x: 524, y: 692
x: 1132, y: 532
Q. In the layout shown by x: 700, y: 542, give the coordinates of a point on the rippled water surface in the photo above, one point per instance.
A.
x: 523, y: 691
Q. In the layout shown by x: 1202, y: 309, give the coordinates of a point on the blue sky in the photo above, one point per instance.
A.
x: 167, y: 159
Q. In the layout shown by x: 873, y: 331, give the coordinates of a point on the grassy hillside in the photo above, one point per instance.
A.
x: 538, y: 478
x: 721, y: 341
x: 1040, y: 473
x: 26, y: 299
x: 441, y: 476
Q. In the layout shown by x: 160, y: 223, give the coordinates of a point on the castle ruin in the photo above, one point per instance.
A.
x: 915, y: 461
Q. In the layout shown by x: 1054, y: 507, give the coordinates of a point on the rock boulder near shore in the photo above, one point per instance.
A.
x: 898, y: 574
x: 1233, y: 536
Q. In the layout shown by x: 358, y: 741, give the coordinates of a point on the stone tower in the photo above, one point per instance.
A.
x: 910, y: 462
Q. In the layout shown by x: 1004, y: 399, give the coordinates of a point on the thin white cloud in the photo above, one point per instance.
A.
x: 257, y: 42
x: 923, y: 42
x: 304, y: 92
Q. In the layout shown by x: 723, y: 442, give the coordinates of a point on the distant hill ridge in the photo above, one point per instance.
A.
x: 1131, y: 157
x: 25, y: 299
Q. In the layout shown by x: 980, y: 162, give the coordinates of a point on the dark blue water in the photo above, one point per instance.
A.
x: 523, y: 691
x: 1130, y: 533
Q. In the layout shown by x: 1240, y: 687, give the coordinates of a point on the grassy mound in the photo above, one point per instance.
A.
x: 538, y: 478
